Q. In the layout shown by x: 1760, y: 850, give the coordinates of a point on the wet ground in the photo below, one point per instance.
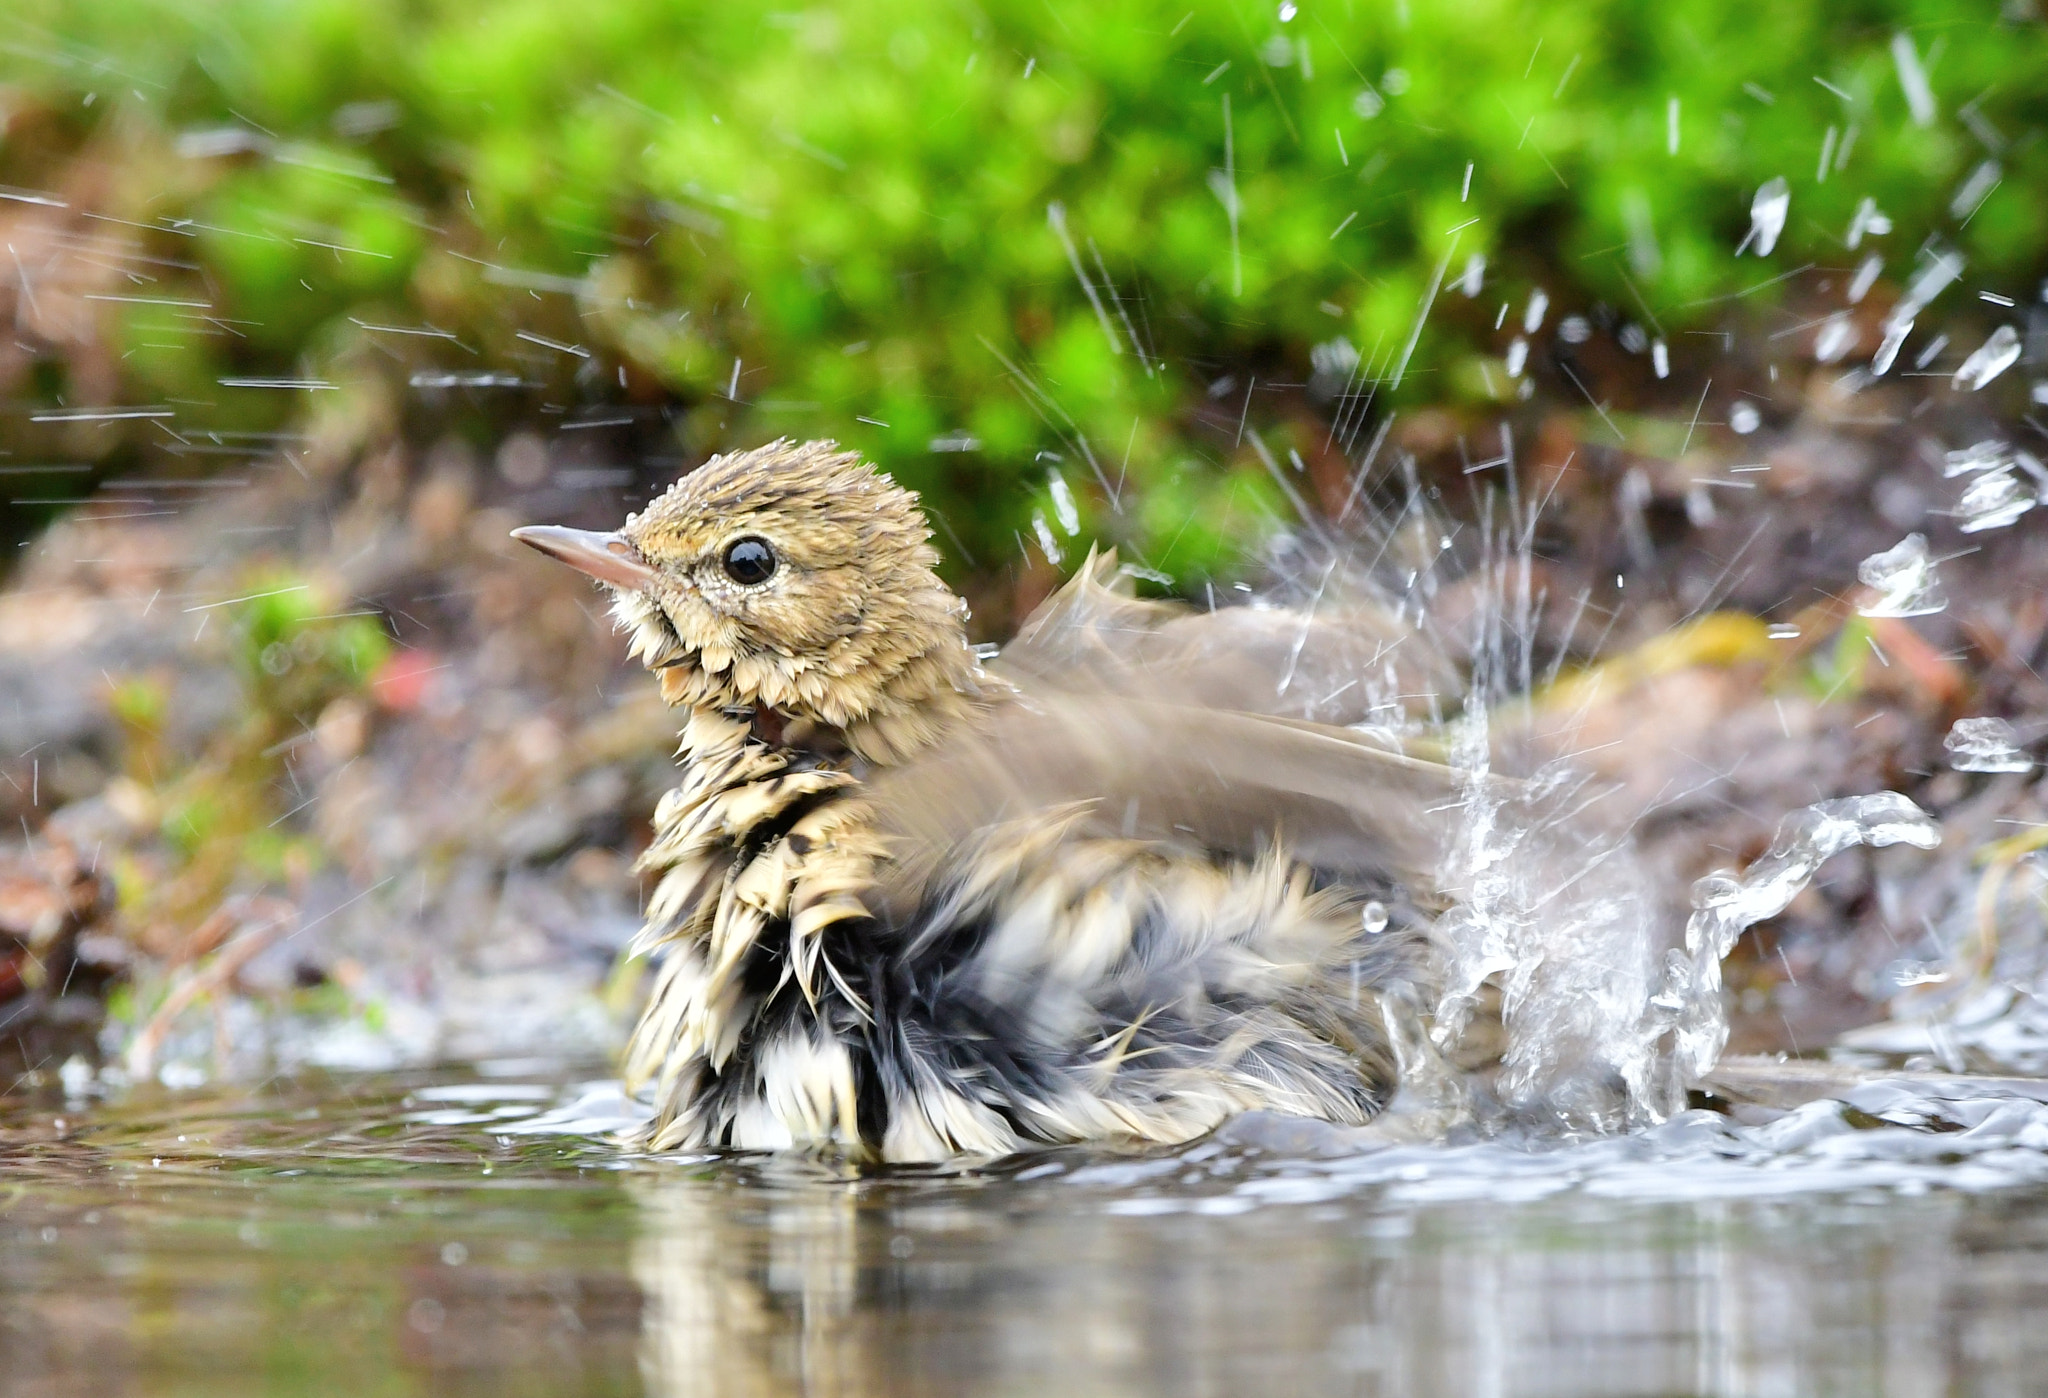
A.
x: 441, y: 1233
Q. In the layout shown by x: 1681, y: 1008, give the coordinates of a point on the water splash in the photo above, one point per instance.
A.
x: 1725, y: 905
x: 1988, y: 455
x: 1767, y: 213
x: 1835, y: 338
x: 1904, y: 579
x: 1992, y: 358
x: 1867, y: 220
x: 1985, y: 745
x: 1936, y: 273
x: 1993, y: 500
x: 1549, y: 906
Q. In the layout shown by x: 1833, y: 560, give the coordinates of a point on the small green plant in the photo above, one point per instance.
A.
x: 223, y: 818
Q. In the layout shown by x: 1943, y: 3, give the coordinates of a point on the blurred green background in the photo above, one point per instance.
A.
x: 1064, y: 267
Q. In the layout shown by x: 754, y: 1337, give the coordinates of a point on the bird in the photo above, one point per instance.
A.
x: 914, y: 901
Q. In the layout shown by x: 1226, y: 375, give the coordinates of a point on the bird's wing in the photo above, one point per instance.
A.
x: 1344, y: 659
x: 1229, y: 782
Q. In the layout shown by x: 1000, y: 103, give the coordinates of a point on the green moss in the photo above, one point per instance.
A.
x: 770, y: 188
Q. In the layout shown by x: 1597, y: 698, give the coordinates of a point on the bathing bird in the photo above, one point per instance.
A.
x: 1146, y: 868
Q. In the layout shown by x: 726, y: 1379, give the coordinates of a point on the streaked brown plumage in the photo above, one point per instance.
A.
x: 915, y: 905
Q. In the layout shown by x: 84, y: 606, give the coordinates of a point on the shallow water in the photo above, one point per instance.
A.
x: 392, y: 1234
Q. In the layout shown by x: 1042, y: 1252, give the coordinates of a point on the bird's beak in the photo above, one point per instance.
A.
x: 607, y: 557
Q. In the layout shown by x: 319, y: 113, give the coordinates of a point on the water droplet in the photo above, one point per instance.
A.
x: 1895, y: 332
x: 1993, y: 500
x: 1903, y: 578
x: 1744, y: 419
x: 1474, y: 279
x: 1767, y: 216
x: 1866, y: 220
x: 1835, y: 338
x: 1985, y: 745
x: 1373, y: 918
x: 1987, y: 455
x: 1063, y: 504
x: 1992, y: 358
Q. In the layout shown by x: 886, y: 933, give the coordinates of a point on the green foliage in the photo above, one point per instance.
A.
x: 840, y: 216
x: 295, y: 657
x: 222, y: 817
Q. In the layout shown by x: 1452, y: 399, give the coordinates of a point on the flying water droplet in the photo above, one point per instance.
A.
x: 1865, y: 278
x: 1767, y: 216
x: 1532, y: 318
x: 1063, y: 504
x: 1049, y: 545
x: 1474, y: 279
x: 1993, y: 500
x: 1985, y: 745
x: 1744, y: 419
x: 1660, y: 359
x: 1866, y: 220
x: 1373, y: 917
x: 1518, y: 357
x: 1903, y: 578
x: 1992, y: 358
x: 1987, y: 455
x: 1895, y: 332
x: 1835, y: 338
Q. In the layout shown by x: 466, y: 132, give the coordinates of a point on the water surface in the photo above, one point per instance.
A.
x: 390, y: 1235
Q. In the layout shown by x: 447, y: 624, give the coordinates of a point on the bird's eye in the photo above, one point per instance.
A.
x: 749, y: 562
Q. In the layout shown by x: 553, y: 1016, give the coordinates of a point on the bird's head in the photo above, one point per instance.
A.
x: 794, y: 580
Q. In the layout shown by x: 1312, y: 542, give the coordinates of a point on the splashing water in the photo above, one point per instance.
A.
x: 1992, y: 358
x: 1985, y: 745
x: 1726, y: 905
x: 1993, y: 501
x: 1930, y: 281
x: 1896, y: 329
x: 1767, y: 213
x: 1988, y: 455
x: 1835, y: 338
x: 1554, y: 910
x: 1903, y: 577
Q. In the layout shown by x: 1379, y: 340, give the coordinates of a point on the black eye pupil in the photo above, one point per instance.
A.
x: 750, y: 562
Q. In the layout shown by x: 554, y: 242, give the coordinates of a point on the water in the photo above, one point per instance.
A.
x: 1904, y: 579
x: 1985, y: 745
x: 376, y: 1235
